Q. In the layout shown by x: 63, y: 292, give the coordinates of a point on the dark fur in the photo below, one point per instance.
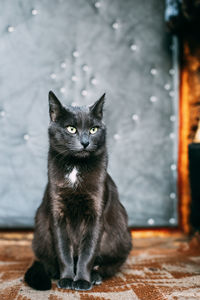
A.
x: 81, y: 233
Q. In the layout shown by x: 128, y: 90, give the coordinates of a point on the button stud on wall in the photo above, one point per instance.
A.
x: 153, y: 99
x: 171, y: 94
x: 133, y: 47
x: 34, y: 12
x: 84, y: 93
x: 171, y: 71
x: 172, y: 118
x: 63, y: 90
x: 172, y: 221
x: 85, y: 68
x: 97, y: 4
x: 75, y: 53
x: 115, y: 25
x: 173, y: 167
x: 53, y: 75
x: 135, y: 117
x: 151, y: 221
x: 11, y: 29
x: 172, y: 135
x: 94, y: 81
x: 153, y: 71
x: 2, y: 113
x: 26, y: 137
x: 172, y: 196
x: 74, y: 78
x: 63, y: 65
x: 167, y: 86
x: 116, y: 136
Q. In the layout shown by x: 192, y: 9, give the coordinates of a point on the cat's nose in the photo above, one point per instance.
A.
x: 84, y: 140
x: 85, y: 143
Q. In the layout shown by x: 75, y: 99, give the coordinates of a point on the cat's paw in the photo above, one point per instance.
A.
x: 65, y: 283
x: 82, y: 285
x: 96, y: 277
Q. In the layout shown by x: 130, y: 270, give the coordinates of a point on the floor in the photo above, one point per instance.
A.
x: 157, y: 269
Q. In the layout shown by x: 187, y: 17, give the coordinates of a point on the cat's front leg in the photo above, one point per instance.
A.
x: 65, y: 257
x: 87, y: 252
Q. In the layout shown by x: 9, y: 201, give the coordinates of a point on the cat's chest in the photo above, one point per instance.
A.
x: 77, y: 180
x: 72, y: 177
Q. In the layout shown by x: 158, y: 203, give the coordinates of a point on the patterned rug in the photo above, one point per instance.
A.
x: 157, y: 269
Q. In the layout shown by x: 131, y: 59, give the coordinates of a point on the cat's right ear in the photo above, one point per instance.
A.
x: 55, y: 107
x: 97, y: 107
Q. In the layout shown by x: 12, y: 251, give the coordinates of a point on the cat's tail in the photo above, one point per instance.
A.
x: 37, y: 277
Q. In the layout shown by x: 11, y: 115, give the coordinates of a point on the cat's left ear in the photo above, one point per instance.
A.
x: 55, y: 107
x: 97, y: 108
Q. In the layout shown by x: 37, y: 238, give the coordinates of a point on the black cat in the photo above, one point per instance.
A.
x: 81, y: 233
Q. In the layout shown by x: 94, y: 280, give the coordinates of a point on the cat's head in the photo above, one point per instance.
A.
x: 76, y: 131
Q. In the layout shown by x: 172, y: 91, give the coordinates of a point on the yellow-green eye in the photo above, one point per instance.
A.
x: 71, y: 129
x: 93, y: 130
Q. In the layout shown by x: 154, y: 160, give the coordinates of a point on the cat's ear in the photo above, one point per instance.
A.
x: 97, y: 108
x: 55, y: 107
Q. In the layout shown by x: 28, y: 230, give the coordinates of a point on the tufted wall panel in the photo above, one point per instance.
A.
x: 79, y: 49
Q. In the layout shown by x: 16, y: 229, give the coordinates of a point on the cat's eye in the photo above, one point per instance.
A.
x: 93, y: 130
x: 71, y: 129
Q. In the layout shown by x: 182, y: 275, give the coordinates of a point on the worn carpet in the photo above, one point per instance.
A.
x: 157, y: 269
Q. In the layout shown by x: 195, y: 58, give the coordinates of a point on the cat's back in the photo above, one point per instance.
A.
x: 113, y: 210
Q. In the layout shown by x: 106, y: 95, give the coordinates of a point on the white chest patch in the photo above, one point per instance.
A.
x: 72, y: 176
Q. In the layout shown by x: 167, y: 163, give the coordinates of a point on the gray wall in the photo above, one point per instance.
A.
x: 80, y: 49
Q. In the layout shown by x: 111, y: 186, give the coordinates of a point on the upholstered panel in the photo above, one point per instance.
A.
x: 79, y: 49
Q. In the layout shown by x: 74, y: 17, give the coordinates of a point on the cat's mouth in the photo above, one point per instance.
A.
x: 83, y: 153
